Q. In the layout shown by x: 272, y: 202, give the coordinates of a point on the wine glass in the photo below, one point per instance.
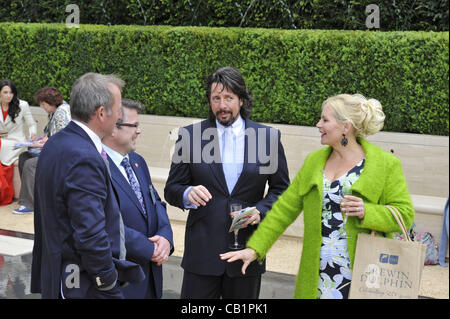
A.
x: 234, y: 207
x: 345, y: 190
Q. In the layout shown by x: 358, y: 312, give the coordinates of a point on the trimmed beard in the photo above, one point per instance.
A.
x: 230, y: 122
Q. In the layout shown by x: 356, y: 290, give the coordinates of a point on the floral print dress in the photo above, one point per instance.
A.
x: 58, y: 120
x: 335, y: 274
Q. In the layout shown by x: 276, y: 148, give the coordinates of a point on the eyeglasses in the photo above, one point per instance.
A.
x: 135, y: 125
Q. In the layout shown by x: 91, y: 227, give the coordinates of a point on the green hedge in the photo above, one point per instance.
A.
x: 289, y: 72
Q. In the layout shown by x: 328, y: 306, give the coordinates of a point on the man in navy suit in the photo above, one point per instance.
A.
x: 220, y: 161
x: 148, y: 234
x: 79, y: 249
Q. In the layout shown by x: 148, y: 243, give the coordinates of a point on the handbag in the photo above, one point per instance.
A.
x: 386, y: 268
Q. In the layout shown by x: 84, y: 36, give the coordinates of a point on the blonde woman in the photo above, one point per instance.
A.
x: 374, y: 177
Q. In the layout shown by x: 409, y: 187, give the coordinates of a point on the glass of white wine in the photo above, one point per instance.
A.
x: 344, y: 191
x: 236, y: 245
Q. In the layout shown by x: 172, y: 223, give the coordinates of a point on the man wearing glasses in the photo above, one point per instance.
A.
x: 148, y: 234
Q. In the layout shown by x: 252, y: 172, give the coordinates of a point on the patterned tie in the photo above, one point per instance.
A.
x: 133, y: 182
x: 229, y: 158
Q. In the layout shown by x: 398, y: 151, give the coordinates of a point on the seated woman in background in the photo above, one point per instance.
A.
x: 342, y: 190
x: 15, y: 113
x: 51, y: 100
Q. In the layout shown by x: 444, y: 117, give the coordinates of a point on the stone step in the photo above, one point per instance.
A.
x: 13, y: 246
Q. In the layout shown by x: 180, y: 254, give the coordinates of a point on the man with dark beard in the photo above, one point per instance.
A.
x: 224, y: 160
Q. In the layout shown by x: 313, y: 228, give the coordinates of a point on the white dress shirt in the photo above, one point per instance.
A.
x: 238, y: 129
x: 117, y: 158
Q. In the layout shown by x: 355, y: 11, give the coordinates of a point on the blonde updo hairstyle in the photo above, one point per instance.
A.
x: 366, y: 116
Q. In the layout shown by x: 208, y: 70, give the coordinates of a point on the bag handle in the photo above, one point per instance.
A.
x: 400, y: 221
x: 398, y: 217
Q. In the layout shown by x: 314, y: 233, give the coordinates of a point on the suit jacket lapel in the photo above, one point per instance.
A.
x: 120, y: 180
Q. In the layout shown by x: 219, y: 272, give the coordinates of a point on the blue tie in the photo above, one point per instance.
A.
x: 229, y: 158
x: 133, y: 182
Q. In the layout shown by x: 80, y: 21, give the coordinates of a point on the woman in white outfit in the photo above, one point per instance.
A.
x: 15, y: 113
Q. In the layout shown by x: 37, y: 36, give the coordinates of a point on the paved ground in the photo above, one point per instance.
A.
x: 278, y: 283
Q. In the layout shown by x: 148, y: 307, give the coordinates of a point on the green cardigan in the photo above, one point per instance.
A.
x: 381, y: 183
